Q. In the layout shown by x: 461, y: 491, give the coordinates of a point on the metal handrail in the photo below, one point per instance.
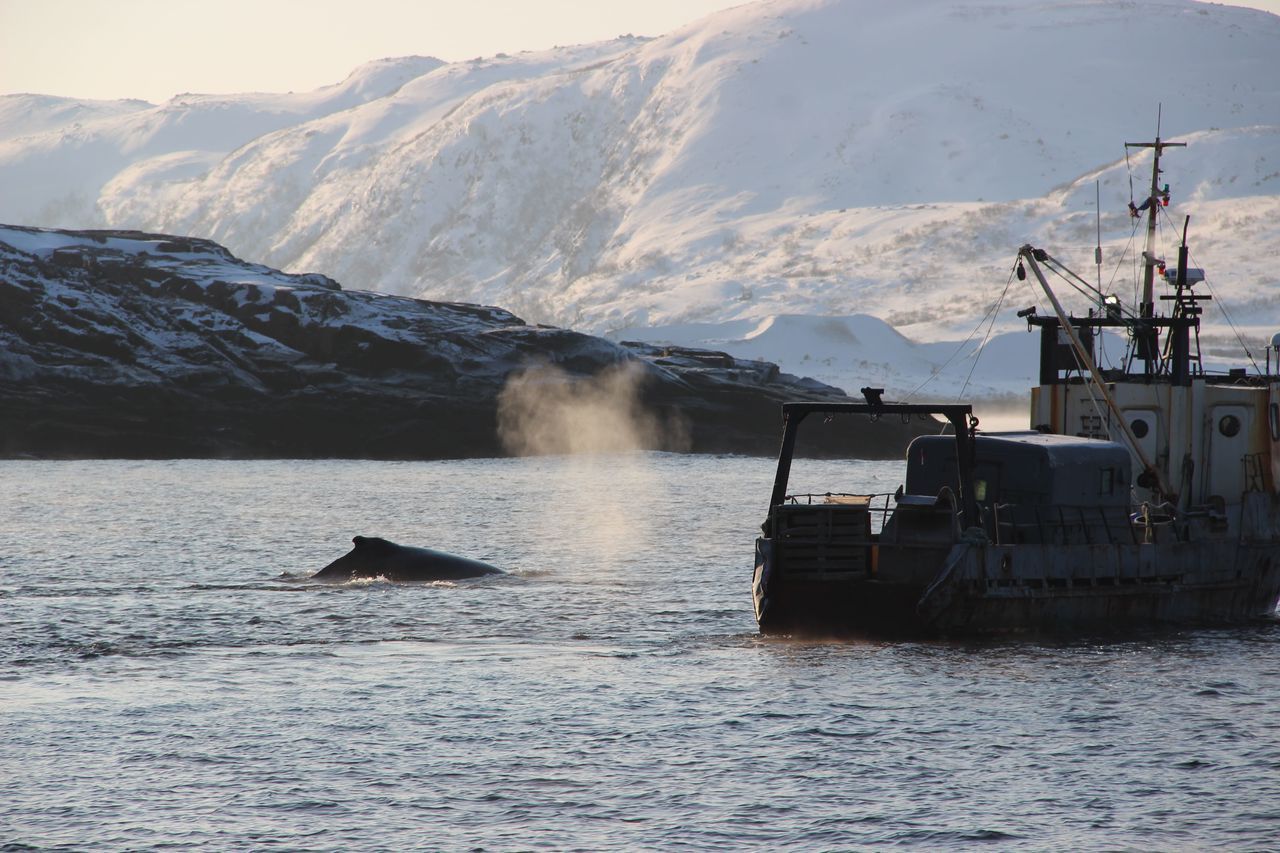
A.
x: 878, y: 511
x: 1051, y: 523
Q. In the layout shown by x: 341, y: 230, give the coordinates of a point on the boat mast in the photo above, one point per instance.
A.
x: 1148, y: 347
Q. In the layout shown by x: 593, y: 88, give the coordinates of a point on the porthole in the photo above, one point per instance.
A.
x: 1140, y: 428
x: 1229, y: 425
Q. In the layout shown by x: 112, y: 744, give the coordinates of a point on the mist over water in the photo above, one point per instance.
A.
x: 544, y: 410
x: 168, y: 678
x: 599, y: 426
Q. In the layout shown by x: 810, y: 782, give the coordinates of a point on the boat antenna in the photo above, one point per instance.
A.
x: 1146, y: 338
x: 1097, y: 249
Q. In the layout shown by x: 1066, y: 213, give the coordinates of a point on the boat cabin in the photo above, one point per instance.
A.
x: 1025, y: 468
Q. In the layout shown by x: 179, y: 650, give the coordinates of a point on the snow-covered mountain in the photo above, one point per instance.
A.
x: 822, y: 158
x: 58, y: 156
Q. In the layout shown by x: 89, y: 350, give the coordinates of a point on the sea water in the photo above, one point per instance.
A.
x: 169, y: 677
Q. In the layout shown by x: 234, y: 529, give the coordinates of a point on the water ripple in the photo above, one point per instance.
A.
x: 613, y: 695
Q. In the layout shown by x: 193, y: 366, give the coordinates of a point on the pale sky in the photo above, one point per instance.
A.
x: 153, y: 49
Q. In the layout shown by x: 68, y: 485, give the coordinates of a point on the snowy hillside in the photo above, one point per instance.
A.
x: 57, y: 154
x: 31, y: 115
x: 831, y: 159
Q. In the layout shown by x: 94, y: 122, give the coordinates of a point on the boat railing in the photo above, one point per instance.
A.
x: 1010, y: 524
x: 1058, y: 524
x: 877, y: 506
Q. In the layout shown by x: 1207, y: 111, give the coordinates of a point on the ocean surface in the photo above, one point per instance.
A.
x: 169, y: 678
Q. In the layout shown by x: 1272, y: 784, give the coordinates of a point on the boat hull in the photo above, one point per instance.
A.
x: 982, y: 588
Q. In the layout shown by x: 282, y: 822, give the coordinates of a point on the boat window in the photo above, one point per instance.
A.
x: 1108, y: 484
x: 1091, y: 427
x: 1274, y: 413
x: 1140, y: 428
x: 980, y: 490
x: 1229, y: 425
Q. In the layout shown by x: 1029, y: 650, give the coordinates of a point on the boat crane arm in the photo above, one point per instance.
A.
x: 1029, y: 255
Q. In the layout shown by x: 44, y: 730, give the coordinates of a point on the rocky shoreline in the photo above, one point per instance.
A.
x: 134, y: 345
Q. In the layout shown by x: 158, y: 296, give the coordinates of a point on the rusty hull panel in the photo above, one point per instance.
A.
x: 1073, y: 588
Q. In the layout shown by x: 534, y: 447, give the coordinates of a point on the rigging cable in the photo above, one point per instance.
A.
x: 990, y: 313
x: 1116, y: 271
x: 1066, y: 274
x: 977, y: 354
x: 1088, y: 387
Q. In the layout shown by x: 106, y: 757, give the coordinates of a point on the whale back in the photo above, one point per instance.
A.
x: 374, y: 557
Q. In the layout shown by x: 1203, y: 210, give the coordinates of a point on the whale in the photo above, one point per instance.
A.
x: 373, y: 558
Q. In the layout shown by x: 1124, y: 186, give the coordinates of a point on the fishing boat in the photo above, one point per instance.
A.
x: 1144, y: 495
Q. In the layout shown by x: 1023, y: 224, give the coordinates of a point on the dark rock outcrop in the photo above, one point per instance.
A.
x: 117, y: 343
